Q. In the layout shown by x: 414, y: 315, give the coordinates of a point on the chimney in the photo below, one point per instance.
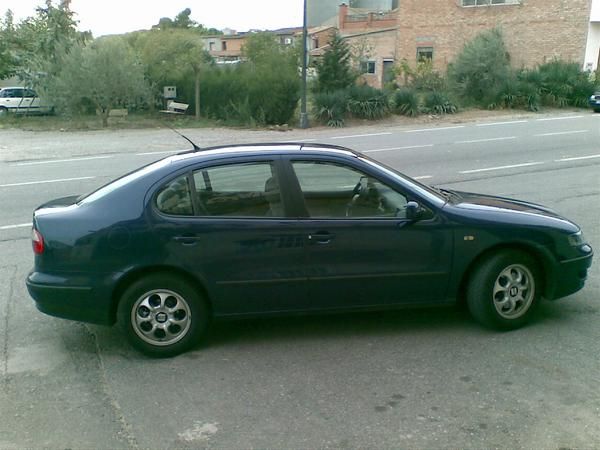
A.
x: 343, y: 13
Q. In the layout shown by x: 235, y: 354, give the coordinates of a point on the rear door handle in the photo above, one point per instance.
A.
x: 321, y: 237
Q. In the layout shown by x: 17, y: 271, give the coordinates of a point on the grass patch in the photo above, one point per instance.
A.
x: 89, y: 122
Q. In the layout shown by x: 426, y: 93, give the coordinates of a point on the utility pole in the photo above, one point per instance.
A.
x: 303, y: 114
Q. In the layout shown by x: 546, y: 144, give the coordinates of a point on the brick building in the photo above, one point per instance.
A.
x: 535, y: 31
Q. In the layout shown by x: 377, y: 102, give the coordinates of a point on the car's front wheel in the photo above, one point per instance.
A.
x: 3, y: 111
x: 503, y: 290
x: 162, y: 315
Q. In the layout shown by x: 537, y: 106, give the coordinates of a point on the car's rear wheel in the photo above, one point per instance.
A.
x: 162, y: 315
x: 3, y: 111
x: 503, y: 290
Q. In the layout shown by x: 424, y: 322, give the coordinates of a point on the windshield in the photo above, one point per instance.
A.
x: 432, y: 194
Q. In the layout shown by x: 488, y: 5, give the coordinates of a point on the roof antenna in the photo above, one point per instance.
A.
x: 196, y: 148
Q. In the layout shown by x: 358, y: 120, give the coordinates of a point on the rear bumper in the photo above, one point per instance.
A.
x: 75, y: 298
x: 570, y: 276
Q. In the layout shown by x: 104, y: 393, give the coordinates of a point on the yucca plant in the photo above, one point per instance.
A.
x: 366, y: 102
x: 438, y: 103
x: 330, y: 107
x: 406, y: 102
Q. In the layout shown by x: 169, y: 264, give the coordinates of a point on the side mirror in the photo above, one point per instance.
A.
x: 413, y: 211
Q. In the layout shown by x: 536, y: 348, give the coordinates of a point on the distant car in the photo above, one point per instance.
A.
x: 250, y: 230
x: 22, y: 100
x: 595, y: 101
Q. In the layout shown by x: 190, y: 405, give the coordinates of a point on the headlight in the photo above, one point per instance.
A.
x: 576, y: 239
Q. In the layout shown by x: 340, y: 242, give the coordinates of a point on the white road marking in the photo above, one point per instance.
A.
x: 488, y: 169
x: 577, y: 158
x: 361, y: 135
x: 475, y: 141
x: 158, y: 153
x: 19, y: 225
x: 60, y: 180
x: 50, y: 161
x: 561, y: 133
x: 294, y: 141
x: 434, y: 129
x: 396, y: 148
x: 500, y: 123
x: 423, y: 177
x: 559, y: 118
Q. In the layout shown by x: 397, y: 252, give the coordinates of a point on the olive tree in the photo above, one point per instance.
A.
x: 104, y: 74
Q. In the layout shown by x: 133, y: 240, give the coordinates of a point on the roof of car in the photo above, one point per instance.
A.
x: 265, y: 147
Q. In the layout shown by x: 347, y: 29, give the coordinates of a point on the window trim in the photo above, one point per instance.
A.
x: 344, y: 163
x: 273, y: 160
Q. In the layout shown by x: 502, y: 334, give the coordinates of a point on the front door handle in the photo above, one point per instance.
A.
x: 187, y: 239
x: 321, y: 237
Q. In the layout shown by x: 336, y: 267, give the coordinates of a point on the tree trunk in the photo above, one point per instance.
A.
x: 105, y: 114
x: 197, y: 97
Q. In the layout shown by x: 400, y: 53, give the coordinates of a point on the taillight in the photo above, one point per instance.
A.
x: 37, y: 241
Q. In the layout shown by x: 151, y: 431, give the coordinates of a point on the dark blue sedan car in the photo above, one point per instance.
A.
x: 290, y: 228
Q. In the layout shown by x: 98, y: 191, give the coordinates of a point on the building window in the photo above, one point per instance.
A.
x: 424, y: 54
x: 211, y: 46
x: 367, y: 67
x: 489, y: 2
x: 224, y: 46
x: 287, y: 41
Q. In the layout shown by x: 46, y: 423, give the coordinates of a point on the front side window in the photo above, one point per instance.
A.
x: 175, y: 198
x: 334, y: 191
x: 239, y: 190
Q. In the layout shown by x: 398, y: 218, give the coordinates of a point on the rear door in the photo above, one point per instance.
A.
x: 362, y: 251
x: 235, y: 235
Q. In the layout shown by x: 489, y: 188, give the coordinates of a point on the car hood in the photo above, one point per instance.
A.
x: 473, y: 200
x: 494, y: 205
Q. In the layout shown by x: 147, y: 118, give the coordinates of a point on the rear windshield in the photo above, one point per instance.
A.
x: 122, y: 181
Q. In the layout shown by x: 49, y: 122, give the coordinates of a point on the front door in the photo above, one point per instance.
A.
x: 362, y: 251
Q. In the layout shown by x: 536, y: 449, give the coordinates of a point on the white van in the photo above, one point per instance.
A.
x: 22, y: 100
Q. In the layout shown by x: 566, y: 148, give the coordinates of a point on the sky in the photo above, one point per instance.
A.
x: 120, y: 16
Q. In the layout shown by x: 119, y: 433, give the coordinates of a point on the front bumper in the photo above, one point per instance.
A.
x: 570, y: 276
x: 75, y: 298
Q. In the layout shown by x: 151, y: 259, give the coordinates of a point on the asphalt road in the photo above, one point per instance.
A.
x: 409, y: 379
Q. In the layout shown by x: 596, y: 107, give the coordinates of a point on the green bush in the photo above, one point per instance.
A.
x: 423, y: 77
x: 438, y: 103
x: 247, y: 96
x: 330, y: 107
x: 564, y: 84
x: 518, y: 91
x: 406, y: 102
x: 366, y: 102
x: 480, y: 68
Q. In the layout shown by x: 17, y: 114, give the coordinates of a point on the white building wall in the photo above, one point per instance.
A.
x: 592, y: 50
x: 593, y: 47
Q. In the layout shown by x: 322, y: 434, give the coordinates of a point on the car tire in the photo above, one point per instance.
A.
x: 504, y: 290
x: 597, y: 110
x: 3, y: 111
x: 163, y: 315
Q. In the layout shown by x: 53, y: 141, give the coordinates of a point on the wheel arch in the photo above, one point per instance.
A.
x: 539, y: 255
x: 141, y: 272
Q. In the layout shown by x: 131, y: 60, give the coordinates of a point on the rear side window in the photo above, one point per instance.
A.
x: 239, y: 190
x: 175, y: 198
